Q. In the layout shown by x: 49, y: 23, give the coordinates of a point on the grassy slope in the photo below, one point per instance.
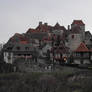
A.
x: 66, y: 80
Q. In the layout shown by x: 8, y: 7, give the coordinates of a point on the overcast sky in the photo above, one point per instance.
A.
x: 17, y: 16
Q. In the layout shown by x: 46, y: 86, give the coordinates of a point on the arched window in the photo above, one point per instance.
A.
x: 72, y: 36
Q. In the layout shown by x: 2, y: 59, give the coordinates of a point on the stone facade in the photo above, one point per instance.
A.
x: 74, y: 41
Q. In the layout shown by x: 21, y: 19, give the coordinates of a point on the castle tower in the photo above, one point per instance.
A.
x: 81, y: 25
x: 77, y: 34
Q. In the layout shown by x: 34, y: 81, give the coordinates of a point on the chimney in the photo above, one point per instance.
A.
x: 40, y: 23
x: 68, y: 27
x: 45, y: 24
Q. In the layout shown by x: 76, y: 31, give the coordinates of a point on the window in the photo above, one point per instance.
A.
x: 86, y: 55
x: 19, y: 54
x: 78, y: 55
x: 28, y: 54
x: 27, y: 48
x: 74, y: 54
x: 18, y: 48
x: 9, y: 48
x: 72, y: 36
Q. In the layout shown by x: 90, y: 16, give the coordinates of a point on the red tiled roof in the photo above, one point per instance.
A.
x: 43, y: 28
x: 78, y: 22
x: 20, y: 38
x: 31, y: 30
x: 82, y: 48
x: 58, y: 27
x: 17, y: 34
x: 23, y: 42
x: 46, y: 28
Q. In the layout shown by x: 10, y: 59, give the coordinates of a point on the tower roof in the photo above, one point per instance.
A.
x: 78, y: 22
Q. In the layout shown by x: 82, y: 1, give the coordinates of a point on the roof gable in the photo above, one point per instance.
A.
x: 58, y: 27
x: 82, y: 48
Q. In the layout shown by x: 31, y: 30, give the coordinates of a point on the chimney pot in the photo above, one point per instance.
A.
x: 40, y: 23
x: 45, y: 24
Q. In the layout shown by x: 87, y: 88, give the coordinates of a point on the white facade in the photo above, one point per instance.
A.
x: 74, y: 41
x: 78, y: 61
x: 8, y: 57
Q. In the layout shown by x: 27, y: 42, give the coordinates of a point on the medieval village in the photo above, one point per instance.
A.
x: 48, y: 59
x: 47, y: 46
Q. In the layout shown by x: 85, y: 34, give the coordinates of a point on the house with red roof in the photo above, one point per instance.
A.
x: 82, y: 55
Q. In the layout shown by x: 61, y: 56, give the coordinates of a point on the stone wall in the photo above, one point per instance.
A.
x: 74, y: 41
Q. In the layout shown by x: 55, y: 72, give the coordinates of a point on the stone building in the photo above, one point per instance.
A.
x: 76, y: 34
x: 44, y: 37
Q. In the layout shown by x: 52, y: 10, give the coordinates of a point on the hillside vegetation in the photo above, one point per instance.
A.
x: 66, y: 80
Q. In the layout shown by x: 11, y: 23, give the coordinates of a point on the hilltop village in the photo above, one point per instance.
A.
x: 50, y: 44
